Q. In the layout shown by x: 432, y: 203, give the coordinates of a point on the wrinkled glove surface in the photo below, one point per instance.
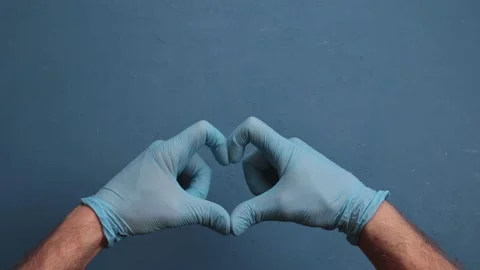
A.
x: 146, y: 196
x: 293, y: 182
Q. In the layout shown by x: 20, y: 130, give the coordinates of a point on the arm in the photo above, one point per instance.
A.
x: 390, y: 242
x: 142, y: 198
x: 72, y: 245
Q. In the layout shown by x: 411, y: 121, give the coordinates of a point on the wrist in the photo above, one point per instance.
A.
x: 113, y: 226
x: 359, y: 210
x: 72, y: 245
x: 87, y: 218
x: 391, y: 242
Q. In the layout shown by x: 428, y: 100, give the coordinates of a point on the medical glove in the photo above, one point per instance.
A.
x: 293, y: 182
x: 146, y: 197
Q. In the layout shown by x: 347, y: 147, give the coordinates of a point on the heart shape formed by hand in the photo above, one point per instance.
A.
x: 292, y: 181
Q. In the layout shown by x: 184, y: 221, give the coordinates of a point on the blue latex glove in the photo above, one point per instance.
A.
x: 293, y: 182
x: 146, y: 197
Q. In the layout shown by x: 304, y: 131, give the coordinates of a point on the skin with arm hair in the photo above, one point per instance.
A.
x: 71, y: 246
x: 390, y: 242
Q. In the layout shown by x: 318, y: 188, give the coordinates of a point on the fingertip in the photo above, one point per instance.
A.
x: 258, y: 209
x: 235, y: 150
x: 221, y: 221
x: 226, y: 225
x: 221, y: 154
x: 220, y: 151
x: 199, y: 134
x: 210, y: 215
x: 237, y: 232
x: 238, y: 229
x: 242, y: 218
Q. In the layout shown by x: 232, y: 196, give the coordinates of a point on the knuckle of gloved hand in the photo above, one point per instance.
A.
x: 252, y: 122
x: 203, y: 125
x: 295, y: 140
x: 156, y: 146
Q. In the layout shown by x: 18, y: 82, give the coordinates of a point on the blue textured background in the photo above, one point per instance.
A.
x: 388, y: 89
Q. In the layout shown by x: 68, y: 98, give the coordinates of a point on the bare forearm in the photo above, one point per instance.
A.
x: 71, y: 246
x: 390, y: 242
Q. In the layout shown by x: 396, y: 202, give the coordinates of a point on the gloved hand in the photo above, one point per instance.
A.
x: 293, y: 182
x: 146, y: 197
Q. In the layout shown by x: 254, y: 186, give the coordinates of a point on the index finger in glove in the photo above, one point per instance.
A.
x: 189, y: 141
x: 267, y: 140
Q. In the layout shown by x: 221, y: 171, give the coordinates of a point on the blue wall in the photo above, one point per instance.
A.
x: 388, y: 89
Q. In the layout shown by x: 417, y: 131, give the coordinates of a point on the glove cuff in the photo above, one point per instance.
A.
x: 113, y: 225
x: 360, y: 208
